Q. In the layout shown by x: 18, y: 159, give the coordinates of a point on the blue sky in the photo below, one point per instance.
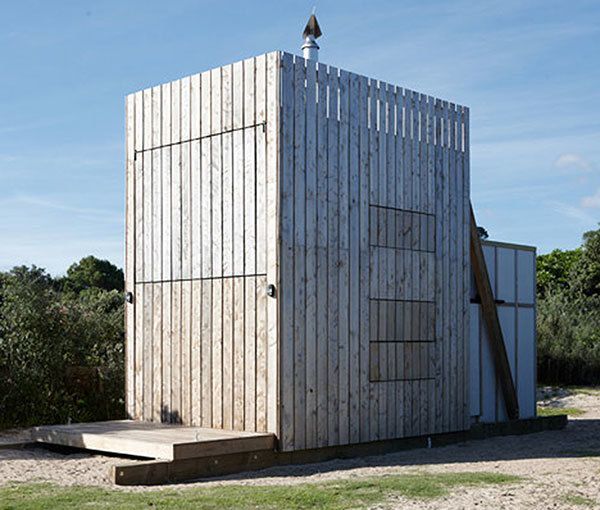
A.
x: 529, y: 71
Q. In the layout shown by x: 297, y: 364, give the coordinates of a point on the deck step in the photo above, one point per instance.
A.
x: 153, y: 440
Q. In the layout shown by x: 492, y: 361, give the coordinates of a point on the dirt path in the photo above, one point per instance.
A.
x: 560, y: 467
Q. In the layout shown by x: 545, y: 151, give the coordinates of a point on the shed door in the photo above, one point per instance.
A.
x: 200, y: 281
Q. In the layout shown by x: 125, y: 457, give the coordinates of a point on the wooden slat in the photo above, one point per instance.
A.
x: 260, y: 198
x: 391, y: 260
x: 466, y: 204
x: 206, y: 328
x: 130, y: 255
x: 156, y: 191
x: 332, y: 260
x: 299, y: 289
x: 176, y: 363
x: 217, y: 175
x: 272, y: 245
x: 217, y: 353
x: 363, y: 205
x: 195, y: 177
x: 206, y: 176
x: 227, y: 234
x: 383, y: 269
x: 311, y: 256
x: 157, y: 355
x: 227, y: 363
x: 186, y: 351
x: 260, y: 403
x: 238, y: 169
x: 239, y: 353
x: 373, y: 262
x: 322, y: 296
x: 286, y: 292
x: 344, y: 260
x: 260, y: 352
x: 176, y: 182
x: 354, y: 259
x: 250, y: 356
x: 250, y: 167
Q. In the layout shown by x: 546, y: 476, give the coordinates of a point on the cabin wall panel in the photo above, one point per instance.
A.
x: 388, y: 217
x: 202, y: 173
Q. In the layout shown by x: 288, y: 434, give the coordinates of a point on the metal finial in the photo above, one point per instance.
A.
x: 312, y: 31
x: 312, y: 27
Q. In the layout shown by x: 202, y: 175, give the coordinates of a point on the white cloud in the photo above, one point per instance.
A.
x: 573, y: 161
x: 592, y: 201
x: 574, y: 213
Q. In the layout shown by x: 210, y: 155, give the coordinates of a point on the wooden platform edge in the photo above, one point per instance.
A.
x: 99, y: 443
x: 185, y: 470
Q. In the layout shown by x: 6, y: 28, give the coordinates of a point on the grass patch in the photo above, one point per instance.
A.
x: 577, y: 499
x: 555, y: 411
x: 592, y: 391
x: 338, y: 495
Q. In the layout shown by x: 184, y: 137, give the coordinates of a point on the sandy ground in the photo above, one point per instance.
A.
x: 557, y: 465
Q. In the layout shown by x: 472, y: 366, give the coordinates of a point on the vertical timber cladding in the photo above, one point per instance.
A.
x: 201, y: 247
x: 374, y: 265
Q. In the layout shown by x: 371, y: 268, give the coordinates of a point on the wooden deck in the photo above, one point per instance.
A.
x: 153, y: 440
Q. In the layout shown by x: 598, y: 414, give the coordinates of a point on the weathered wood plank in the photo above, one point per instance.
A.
x: 363, y: 207
x: 354, y: 260
x: 286, y: 291
x: 332, y: 260
x: 250, y: 353
x: 260, y: 198
x: 344, y: 261
x: 299, y: 255
x: 310, y: 213
x: 227, y: 362
x: 130, y: 254
x: 260, y: 402
x: 322, y: 296
x: 175, y: 413
x: 272, y: 244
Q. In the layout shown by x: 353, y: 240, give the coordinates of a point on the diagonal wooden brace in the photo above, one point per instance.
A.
x: 492, y: 324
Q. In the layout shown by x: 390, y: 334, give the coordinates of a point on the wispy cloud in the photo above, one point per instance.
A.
x: 61, y: 204
x: 591, y: 201
x: 575, y: 213
x: 573, y: 162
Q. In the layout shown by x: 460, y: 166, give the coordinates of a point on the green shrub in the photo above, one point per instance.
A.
x: 61, y: 353
x: 568, y: 315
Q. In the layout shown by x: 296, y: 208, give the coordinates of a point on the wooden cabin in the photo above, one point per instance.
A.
x: 298, y: 255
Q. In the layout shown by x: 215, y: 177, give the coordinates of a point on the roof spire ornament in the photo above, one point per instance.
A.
x: 312, y: 31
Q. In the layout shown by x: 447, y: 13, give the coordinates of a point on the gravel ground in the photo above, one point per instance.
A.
x: 557, y: 465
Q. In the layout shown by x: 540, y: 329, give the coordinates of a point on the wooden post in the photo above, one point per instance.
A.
x: 490, y: 318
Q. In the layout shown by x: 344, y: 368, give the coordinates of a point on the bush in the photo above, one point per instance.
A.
x: 568, y: 314
x: 61, y: 353
x: 568, y: 340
